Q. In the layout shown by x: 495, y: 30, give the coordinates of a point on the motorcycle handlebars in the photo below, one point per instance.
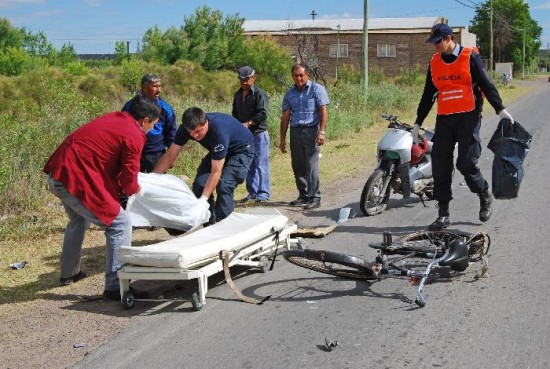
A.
x: 396, y: 123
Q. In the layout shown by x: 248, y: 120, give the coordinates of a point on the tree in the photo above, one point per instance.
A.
x: 121, y: 52
x: 512, y: 27
x: 306, y: 46
x: 165, y: 48
x: 66, y: 55
x: 270, y: 60
x: 9, y: 36
x: 206, y: 38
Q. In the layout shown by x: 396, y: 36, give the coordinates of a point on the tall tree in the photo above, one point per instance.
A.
x: 213, y: 40
x: 512, y: 27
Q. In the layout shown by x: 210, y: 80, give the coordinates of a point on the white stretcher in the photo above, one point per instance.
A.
x: 240, y: 239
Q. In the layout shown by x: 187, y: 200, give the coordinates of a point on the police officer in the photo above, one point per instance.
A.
x: 457, y: 77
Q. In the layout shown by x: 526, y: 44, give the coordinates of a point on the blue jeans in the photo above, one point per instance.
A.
x: 119, y: 233
x: 234, y: 172
x: 258, y: 182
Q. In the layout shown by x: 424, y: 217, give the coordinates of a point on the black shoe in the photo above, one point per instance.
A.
x: 439, y: 224
x: 246, y: 200
x: 75, y: 278
x: 485, y: 201
x: 300, y: 201
x: 115, y: 295
x: 313, y: 204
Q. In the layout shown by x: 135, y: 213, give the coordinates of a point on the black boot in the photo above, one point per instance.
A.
x: 485, y: 201
x: 443, y: 220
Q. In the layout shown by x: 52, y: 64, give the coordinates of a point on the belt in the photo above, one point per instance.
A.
x: 305, y: 126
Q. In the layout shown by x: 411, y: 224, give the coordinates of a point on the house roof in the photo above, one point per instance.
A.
x: 346, y: 24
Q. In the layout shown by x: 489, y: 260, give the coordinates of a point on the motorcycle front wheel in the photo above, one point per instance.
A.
x: 374, y: 198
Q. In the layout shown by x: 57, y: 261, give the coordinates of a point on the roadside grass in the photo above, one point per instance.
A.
x: 32, y: 226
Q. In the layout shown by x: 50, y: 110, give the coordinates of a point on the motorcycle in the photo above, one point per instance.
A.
x: 402, y: 166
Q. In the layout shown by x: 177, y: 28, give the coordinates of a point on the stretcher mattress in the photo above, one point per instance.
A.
x: 236, y: 231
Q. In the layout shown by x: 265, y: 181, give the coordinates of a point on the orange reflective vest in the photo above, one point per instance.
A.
x: 454, y: 83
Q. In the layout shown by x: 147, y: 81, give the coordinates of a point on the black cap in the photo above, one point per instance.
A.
x: 439, y: 31
x: 245, y: 72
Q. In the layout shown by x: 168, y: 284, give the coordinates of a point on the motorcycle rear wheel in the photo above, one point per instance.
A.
x: 373, y: 201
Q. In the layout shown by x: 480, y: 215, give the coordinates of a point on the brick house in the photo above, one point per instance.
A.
x: 395, y: 44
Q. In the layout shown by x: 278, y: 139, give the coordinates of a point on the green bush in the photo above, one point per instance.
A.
x: 76, y: 68
x: 130, y: 75
x: 411, y: 77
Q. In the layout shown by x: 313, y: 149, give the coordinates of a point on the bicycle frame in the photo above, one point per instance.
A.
x: 389, y: 267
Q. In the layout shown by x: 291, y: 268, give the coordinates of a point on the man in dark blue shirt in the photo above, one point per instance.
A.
x: 230, y: 153
x: 163, y: 133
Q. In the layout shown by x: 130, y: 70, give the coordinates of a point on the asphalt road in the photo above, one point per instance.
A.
x: 497, y: 322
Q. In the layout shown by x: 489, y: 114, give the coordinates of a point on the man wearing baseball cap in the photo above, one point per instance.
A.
x: 457, y: 77
x: 250, y: 107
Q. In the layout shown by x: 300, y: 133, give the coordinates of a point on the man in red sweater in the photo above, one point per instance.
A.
x: 88, y: 172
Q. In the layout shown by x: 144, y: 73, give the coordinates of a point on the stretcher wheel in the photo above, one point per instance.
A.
x: 197, y: 304
x: 128, y: 300
x: 264, y: 264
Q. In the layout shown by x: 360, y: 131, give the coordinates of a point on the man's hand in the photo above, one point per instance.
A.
x: 503, y: 114
x: 282, y: 147
x: 415, y: 130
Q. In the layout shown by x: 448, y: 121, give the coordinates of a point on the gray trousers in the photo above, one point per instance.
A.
x: 304, y: 153
x: 119, y: 233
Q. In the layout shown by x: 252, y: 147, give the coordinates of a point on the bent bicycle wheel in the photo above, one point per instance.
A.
x: 333, y: 263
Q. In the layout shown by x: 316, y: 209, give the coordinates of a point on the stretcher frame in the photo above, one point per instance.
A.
x: 254, y: 254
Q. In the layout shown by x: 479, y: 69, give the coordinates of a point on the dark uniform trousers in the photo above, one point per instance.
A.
x: 235, y: 169
x: 461, y: 128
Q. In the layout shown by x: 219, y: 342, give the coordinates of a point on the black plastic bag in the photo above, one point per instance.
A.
x: 510, y: 143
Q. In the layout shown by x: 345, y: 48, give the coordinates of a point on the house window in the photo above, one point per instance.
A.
x: 343, y: 51
x: 386, y: 50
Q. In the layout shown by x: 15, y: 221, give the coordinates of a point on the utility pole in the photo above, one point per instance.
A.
x: 337, y: 50
x: 365, y: 57
x: 491, y: 41
x: 523, y: 64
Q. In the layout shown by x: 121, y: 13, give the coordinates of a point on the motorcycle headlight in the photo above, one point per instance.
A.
x: 391, y: 154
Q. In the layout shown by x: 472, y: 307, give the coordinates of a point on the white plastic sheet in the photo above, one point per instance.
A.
x: 166, y: 201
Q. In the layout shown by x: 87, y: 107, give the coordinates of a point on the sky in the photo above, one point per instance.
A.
x: 93, y: 26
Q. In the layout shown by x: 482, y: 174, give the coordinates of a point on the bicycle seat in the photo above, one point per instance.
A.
x: 457, y: 256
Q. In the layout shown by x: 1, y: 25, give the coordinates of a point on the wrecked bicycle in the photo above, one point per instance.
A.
x: 414, y: 256
x: 402, y: 165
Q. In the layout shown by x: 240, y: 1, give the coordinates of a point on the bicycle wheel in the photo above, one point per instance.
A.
x: 478, y: 246
x: 418, y: 242
x: 428, y: 241
x: 340, y: 265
